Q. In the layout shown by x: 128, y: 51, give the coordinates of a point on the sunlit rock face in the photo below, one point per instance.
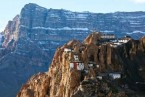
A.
x: 31, y: 38
x: 77, y: 70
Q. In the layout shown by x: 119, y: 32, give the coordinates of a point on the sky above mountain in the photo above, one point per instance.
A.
x: 10, y: 8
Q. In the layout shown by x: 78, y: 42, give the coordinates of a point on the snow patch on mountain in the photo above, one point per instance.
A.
x: 134, y: 32
x: 64, y: 28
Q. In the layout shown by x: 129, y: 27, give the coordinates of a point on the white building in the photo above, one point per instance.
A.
x: 115, y: 75
x: 71, y: 65
x: 113, y: 45
x: 90, y: 64
x: 107, y: 36
x: 97, y: 66
x: 80, y: 66
x: 115, y: 40
x: 66, y: 50
x: 76, y: 57
x: 123, y: 40
x: 77, y: 65
x: 117, y: 43
x: 99, y: 77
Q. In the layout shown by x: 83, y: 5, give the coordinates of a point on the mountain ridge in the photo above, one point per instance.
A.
x: 31, y: 38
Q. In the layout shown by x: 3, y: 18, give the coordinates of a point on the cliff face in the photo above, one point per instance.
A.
x: 31, y: 38
x: 11, y: 32
x: 38, y: 23
x: 63, y: 81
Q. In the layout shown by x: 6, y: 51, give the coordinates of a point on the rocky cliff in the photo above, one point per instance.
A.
x: 38, y: 23
x: 63, y: 80
x: 30, y: 40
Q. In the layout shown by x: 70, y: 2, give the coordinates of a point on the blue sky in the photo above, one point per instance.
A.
x: 10, y: 8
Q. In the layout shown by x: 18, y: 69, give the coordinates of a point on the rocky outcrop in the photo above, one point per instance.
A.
x: 30, y: 40
x: 41, y: 84
x: 62, y: 80
x: 11, y: 33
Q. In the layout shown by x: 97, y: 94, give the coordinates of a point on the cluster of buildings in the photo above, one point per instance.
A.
x: 113, y: 40
x: 77, y: 64
x: 111, y: 75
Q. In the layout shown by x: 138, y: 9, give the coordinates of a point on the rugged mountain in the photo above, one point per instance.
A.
x: 62, y: 80
x: 43, y: 24
x: 30, y: 39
